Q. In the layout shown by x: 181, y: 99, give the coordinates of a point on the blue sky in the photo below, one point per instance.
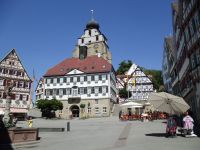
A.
x: 44, y: 32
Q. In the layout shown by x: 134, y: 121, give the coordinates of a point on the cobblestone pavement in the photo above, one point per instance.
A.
x: 109, y: 134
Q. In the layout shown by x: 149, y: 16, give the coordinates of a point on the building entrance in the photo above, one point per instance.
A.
x: 75, y: 110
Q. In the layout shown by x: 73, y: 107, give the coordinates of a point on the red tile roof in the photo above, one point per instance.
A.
x: 92, y: 64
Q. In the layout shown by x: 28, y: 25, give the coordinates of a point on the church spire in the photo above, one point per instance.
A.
x: 92, y: 14
x: 92, y: 24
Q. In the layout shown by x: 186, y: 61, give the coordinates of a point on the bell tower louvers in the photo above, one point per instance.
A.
x: 92, y: 42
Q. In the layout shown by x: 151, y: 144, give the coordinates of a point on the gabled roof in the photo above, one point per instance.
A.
x: 131, y: 69
x: 130, y: 73
x: 91, y: 64
x: 38, y: 82
x: 13, y: 51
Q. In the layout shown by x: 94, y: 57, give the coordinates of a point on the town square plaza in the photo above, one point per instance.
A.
x: 108, y: 133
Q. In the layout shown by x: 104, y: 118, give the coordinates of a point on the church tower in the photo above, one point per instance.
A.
x: 92, y: 42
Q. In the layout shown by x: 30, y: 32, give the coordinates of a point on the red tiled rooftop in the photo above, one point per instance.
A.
x: 92, y: 64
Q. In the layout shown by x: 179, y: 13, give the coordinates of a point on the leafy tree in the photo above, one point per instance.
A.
x: 82, y: 106
x: 124, y: 66
x: 48, y: 107
x: 123, y: 93
x: 156, y: 79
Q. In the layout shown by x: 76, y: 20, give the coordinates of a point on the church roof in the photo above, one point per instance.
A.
x: 91, y: 64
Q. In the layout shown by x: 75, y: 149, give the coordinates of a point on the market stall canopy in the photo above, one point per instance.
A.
x: 132, y: 105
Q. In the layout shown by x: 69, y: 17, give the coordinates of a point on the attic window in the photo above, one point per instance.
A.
x: 97, y: 38
x: 61, y: 69
x: 92, y: 67
x: 104, y: 66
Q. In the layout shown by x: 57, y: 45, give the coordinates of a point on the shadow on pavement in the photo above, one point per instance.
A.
x: 156, y: 134
x: 161, y: 135
x: 5, y: 141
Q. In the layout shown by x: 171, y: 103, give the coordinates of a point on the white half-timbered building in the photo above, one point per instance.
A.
x: 13, y: 72
x: 137, y: 82
x: 39, y: 92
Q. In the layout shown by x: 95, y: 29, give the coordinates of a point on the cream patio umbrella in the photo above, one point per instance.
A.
x: 131, y: 105
x: 168, y: 103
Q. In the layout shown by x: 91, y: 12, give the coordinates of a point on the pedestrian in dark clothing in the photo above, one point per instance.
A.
x: 120, y: 114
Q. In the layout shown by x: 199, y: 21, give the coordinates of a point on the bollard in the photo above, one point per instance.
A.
x: 68, y: 126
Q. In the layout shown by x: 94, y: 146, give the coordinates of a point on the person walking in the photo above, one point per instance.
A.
x: 120, y: 114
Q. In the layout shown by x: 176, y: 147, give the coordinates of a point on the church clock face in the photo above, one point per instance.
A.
x: 96, y: 46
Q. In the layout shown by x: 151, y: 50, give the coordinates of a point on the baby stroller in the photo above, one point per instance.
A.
x: 188, y: 126
x: 171, y: 127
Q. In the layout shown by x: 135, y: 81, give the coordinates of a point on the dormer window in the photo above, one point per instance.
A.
x: 97, y: 38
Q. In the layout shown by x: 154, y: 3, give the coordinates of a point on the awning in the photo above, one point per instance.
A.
x: 131, y: 104
x: 14, y: 110
x: 18, y: 110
